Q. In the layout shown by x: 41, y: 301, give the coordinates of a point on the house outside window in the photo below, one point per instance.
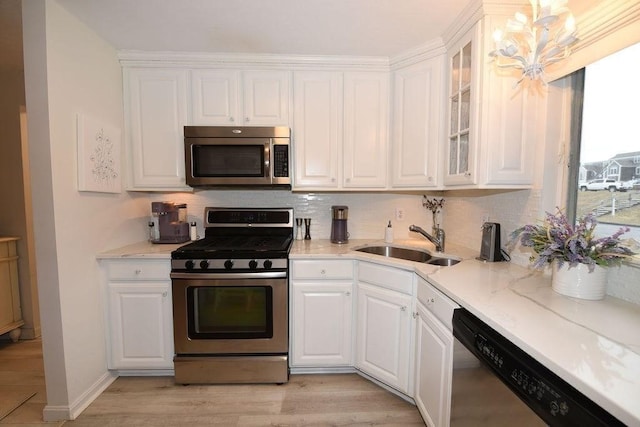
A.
x: 604, y: 150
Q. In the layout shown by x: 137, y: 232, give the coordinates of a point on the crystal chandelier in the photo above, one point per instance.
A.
x: 531, y: 46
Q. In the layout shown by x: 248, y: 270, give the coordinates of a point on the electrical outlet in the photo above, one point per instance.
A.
x: 399, y: 214
x: 485, y: 218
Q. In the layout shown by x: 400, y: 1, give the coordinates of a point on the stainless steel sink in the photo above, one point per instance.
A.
x: 443, y: 261
x: 393, y: 252
x: 415, y: 255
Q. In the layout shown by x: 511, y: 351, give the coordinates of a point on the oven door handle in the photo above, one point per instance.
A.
x: 257, y: 275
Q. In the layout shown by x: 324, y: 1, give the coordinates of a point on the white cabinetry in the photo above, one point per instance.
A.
x: 321, y: 313
x: 417, y: 124
x: 10, y: 310
x: 155, y: 113
x: 434, y: 355
x: 384, y: 325
x: 366, y: 114
x: 139, y: 314
x: 491, y: 134
x: 340, y: 130
x: 242, y: 98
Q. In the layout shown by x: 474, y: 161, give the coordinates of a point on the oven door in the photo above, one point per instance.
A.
x: 218, y: 314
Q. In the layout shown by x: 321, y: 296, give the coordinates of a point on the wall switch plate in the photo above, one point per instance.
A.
x: 399, y: 214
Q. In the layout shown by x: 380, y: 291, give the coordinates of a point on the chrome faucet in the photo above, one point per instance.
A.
x: 439, y: 242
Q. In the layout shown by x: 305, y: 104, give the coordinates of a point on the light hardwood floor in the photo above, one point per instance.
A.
x: 307, y: 400
x: 21, y: 368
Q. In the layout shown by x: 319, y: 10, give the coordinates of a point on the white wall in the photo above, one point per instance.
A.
x: 69, y: 70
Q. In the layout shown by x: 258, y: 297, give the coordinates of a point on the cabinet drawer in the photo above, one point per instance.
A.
x: 322, y: 269
x: 139, y: 270
x: 436, y: 302
x: 387, y: 277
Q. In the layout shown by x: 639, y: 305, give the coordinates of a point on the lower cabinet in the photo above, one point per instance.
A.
x: 433, y: 355
x: 402, y: 330
x: 384, y: 326
x: 10, y: 310
x: 322, y: 327
x: 321, y: 313
x: 139, y: 315
x: 434, y: 350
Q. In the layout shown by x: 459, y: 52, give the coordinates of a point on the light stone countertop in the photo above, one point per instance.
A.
x: 142, y: 250
x: 593, y: 345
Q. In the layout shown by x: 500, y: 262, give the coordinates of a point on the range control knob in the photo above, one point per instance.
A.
x: 267, y: 264
x: 204, y: 264
x: 253, y: 264
x: 228, y: 264
x: 189, y: 265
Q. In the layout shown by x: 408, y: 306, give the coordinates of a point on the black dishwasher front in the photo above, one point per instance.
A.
x: 548, y: 398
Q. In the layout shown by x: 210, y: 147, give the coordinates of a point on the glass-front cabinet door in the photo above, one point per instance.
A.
x: 460, y: 150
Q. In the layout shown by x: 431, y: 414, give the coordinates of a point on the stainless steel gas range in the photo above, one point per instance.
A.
x: 230, y: 298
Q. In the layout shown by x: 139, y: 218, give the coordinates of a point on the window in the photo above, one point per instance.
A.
x: 604, y: 112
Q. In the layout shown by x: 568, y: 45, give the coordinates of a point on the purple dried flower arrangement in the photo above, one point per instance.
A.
x: 557, y: 239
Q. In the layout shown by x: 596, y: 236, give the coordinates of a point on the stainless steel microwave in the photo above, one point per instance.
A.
x: 219, y: 156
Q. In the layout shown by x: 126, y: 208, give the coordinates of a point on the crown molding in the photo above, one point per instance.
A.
x: 417, y: 54
x: 602, y: 30
x: 129, y: 58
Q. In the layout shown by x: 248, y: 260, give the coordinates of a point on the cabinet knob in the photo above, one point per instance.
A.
x: 322, y: 272
x: 403, y: 308
x: 246, y: 119
x: 348, y: 293
x: 415, y: 314
x: 348, y: 180
x: 231, y: 119
x: 431, y: 300
x: 164, y: 294
x: 467, y: 174
x: 138, y: 271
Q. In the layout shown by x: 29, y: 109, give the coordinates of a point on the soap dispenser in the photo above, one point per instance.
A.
x: 388, y: 233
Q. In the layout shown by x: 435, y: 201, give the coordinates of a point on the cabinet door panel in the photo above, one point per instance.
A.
x: 215, y: 97
x: 317, y: 101
x: 417, y: 128
x: 266, y: 98
x: 383, y: 338
x: 365, y: 129
x: 157, y: 113
x: 322, y: 326
x: 434, y: 358
x: 141, y: 325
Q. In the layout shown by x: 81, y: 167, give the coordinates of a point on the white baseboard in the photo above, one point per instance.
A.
x: 61, y: 412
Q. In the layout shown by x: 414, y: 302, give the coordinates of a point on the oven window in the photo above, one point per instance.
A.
x: 230, y: 312
x: 228, y: 160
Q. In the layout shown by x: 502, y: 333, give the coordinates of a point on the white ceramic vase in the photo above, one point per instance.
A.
x: 578, y: 282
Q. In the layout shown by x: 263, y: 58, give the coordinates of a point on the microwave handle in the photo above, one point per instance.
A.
x: 267, y: 159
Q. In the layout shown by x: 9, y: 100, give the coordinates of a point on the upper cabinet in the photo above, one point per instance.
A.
x: 491, y: 134
x: 417, y: 124
x: 156, y: 105
x: 317, y: 112
x: 456, y: 122
x: 340, y: 130
x: 242, y: 98
x: 159, y: 102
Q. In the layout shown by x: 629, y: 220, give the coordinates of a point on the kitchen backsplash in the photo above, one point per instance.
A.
x: 369, y: 213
